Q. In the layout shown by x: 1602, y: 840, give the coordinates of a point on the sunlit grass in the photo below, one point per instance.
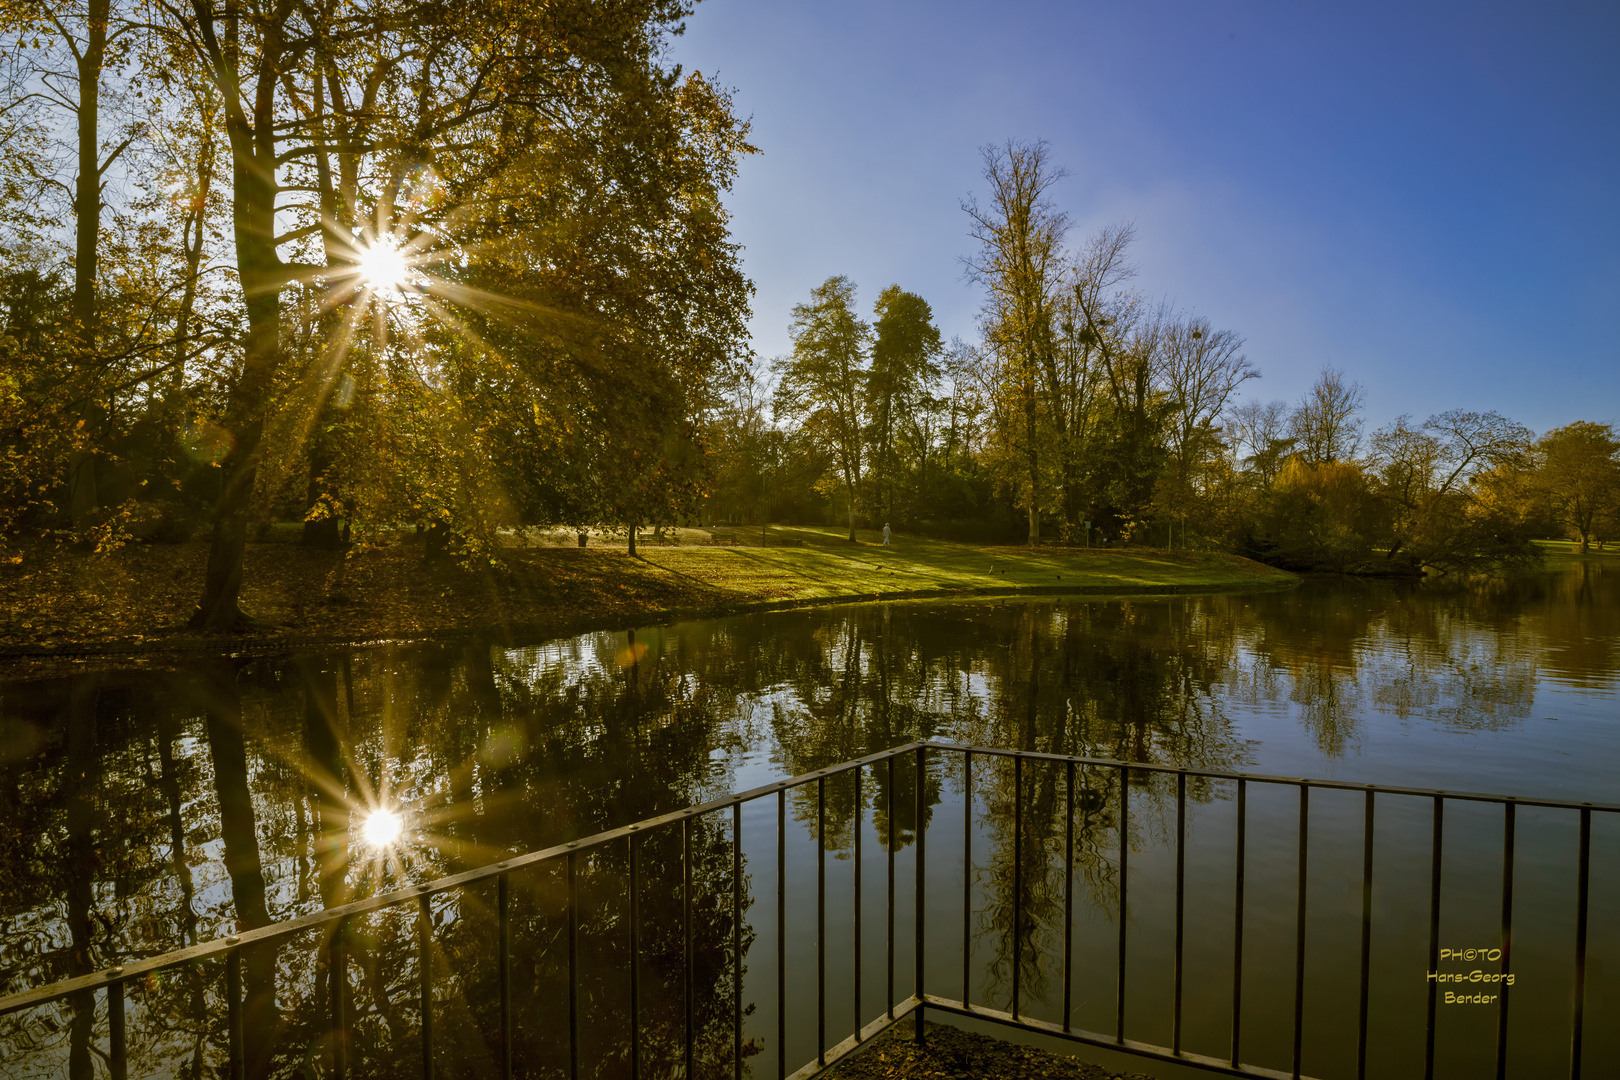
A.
x: 819, y: 563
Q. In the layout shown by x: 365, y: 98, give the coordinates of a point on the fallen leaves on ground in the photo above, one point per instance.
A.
x: 954, y: 1054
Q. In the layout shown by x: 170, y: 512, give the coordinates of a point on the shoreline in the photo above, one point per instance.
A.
x: 68, y: 607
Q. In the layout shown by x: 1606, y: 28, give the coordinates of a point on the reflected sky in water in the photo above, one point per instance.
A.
x: 148, y: 809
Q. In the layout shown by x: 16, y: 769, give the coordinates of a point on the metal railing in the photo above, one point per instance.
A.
x: 114, y: 981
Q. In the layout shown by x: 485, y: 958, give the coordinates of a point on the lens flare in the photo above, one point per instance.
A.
x: 383, y: 266
x: 382, y: 828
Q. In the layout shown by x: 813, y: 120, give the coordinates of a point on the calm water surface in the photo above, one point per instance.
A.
x: 145, y: 810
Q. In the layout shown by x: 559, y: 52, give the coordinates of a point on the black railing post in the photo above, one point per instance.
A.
x: 736, y: 943
x: 686, y: 935
x: 922, y: 876
x: 573, y: 966
x: 503, y: 907
x: 1434, y: 932
x: 424, y: 971
x: 1181, y: 905
x: 821, y: 920
x: 1124, y: 910
x: 1068, y: 897
x: 1237, y: 927
x: 236, y: 1066
x: 1583, y: 878
x: 634, y: 856
x: 858, y: 817
x: 117, y: 1058
x: 889, y: 934
x: 1509, y: 812
x: 967, y: 874
x: 1366, y: 933
x: 340, y: 1057
x: 781, y: 931
x: 1299, y: 924
x: 1018, y: 882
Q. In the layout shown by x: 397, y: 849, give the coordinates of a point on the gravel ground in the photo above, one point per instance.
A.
x: 954, y: 1054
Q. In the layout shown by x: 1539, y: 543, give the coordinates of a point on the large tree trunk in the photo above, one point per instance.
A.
x: 83, y: 493
x: 1032, y: 449
x: 263, y: 276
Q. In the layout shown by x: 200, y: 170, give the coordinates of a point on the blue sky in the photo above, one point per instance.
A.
x: 1422, y: 195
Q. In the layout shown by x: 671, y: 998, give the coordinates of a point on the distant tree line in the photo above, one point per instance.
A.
x: 1087, y: 414
x: 455, y: 269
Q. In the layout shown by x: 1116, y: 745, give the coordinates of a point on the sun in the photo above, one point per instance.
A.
x: 383, y: 266
x: 382, y: 828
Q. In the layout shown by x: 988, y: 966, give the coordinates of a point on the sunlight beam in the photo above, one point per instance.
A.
x: 382, y: 828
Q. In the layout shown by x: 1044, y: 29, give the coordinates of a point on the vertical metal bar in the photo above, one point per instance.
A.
x: 1068, y: 897
x: 922, y: 876
x: 1124, y: 910
x: 1181, y: 905
x: 1299, y: 924
x: 573, y: 966
x: 635, y: 956
x: 1237, y: 928
x: 340, y: 1062
x: 890, y: 845
x: 1018, y: 881
x: 1583, y: 879
x: 424, y: 977
x: 858, y: 828
x: 821, y: 920
x: 1434, y: 932
x: 1509, y: 814
x: 503, y: 904
x: 686, y: 934
x: 967, y: 874
x: 736, y: 942
x: 781, y: 932
x: 235, y: 1066
x: 1366, y: 933
x: 117, y: 1060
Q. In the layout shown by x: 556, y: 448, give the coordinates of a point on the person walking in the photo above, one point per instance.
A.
x: 885, y: 535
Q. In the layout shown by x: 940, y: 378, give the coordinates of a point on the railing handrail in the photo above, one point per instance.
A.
x: 316, y: 920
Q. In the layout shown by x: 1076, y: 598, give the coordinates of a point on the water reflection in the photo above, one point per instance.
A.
x: 148, y: 810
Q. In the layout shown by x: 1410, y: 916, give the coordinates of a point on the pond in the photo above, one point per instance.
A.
x: 152, y: 808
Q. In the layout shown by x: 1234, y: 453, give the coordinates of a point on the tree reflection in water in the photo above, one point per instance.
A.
x: 152, y: 809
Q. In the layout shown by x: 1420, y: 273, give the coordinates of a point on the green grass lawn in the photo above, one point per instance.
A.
x: 1554, y: 549
x: 806, y: 563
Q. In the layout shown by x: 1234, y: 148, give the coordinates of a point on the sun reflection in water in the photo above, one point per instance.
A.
x: 382, y: 828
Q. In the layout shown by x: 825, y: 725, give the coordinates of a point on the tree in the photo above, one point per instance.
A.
x: 1201, y: 368
x: 1089, y: 312
x: 61, y: 51
x: 1019, y: 261
x: 1261, y: 427
x: 1324, y: 427
x: 427, y: 134
x: 1425, y: 479
x: 1579, y: 469
x: 822, y: 383
x: 905, y: 364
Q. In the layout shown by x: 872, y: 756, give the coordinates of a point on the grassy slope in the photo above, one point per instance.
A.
x: 828, y: 566
x: 58, y: 601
